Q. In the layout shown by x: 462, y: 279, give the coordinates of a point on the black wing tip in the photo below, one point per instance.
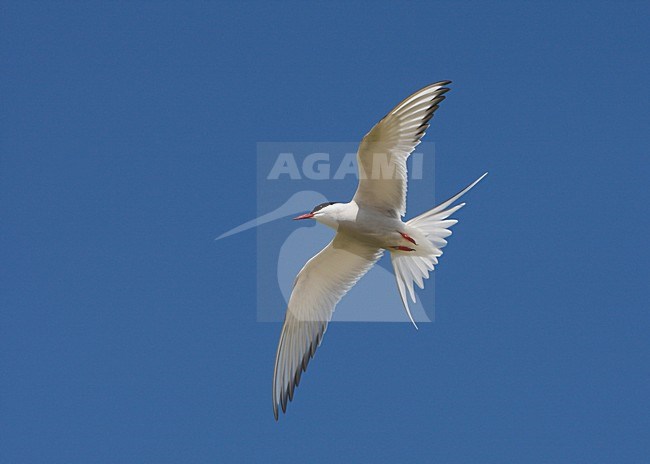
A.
x: 440, y: 84
x: 280, y: 404
x: 286, y: 396
x: 441, y: 90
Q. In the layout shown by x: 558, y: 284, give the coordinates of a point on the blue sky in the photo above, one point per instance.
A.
x: 128, y: 143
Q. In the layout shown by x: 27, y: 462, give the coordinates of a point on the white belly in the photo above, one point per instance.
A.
x: 376, y: 228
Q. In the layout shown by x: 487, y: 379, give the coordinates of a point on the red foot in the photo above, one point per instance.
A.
x: 403, y: 248
x: 406, y: 237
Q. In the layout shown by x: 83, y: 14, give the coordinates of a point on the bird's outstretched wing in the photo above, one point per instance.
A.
x: 384, y: 150
x: 320, y: 285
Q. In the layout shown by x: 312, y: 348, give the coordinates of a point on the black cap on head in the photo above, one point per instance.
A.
x: 323, y: 205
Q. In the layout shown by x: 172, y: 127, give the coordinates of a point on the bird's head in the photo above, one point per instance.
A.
x: 325, y: 212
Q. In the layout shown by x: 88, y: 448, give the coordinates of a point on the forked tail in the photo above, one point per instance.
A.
x: 435, y: 226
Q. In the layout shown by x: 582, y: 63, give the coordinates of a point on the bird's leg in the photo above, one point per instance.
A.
x: 407, y: 237
x: 402, y: 248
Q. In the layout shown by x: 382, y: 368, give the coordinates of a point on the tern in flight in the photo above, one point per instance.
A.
x: 365, y: 227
